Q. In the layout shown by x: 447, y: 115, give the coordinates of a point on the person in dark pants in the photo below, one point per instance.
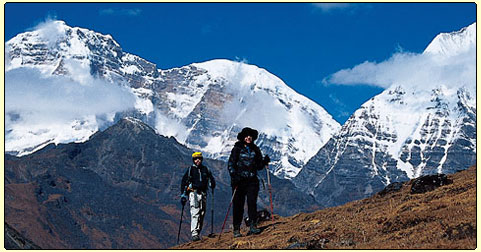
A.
x: 244, y: 162
x: 194, y: 187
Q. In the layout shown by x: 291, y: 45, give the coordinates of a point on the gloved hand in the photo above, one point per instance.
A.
x: 266, y: 160
x: 212, y: 185
x: 246, y: 174
x: 183, y: 199
x: 234, y: 179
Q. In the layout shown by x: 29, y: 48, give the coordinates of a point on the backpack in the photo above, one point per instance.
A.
x: 262, y: 215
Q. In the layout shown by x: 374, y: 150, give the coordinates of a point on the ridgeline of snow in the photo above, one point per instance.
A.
x: 417, y: 119
x: 263, y: 101
x: 454, y: 43
x: 204, y: 105
x: 426, y: 113
x: 423, y: 123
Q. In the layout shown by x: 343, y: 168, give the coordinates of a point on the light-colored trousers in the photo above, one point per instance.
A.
x: 197, y: 202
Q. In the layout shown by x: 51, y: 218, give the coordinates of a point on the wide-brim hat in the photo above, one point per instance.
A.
x: 247, y: 132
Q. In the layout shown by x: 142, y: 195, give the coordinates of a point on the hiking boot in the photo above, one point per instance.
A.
x: 195, y: 238
x: 237, y: 233
x: 253, y: 230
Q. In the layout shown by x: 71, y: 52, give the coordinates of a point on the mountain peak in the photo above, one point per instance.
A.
x: 134, y: 123
x: 58, y: 23
x: 453, y: 43
x: 254, y: 97
x: 203, y: 105
x: 53, y: 47
x: 243, y: 74
x: 129, y: 126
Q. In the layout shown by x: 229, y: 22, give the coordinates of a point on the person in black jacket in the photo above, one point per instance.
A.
x: 194, y: 186
x: 244, y: 162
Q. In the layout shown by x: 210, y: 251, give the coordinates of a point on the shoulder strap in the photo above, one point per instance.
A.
x: 209, y: 173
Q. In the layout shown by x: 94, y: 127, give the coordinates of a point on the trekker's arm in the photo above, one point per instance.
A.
x: 212, y: 180
x: 184, y: 182
x: 232, y: 166
x: 233, y: 158
x: 258, y: 159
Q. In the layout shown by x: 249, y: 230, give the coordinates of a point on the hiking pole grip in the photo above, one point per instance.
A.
x: 270, y: 191
x: 228, y: 210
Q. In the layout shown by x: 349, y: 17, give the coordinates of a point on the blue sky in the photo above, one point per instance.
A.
x: 302, y: 43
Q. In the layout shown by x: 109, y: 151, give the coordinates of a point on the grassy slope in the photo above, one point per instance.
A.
x: 441, y: 219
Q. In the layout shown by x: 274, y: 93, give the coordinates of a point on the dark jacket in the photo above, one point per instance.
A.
x: 245, y: 161
x: 199, y: 177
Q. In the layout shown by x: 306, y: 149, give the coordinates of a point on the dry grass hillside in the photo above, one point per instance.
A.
x: 444, y: 218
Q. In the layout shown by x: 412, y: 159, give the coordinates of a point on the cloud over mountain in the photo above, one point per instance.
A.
x: 27, y: 91
x: 452, y: 70
x: 37, y: 106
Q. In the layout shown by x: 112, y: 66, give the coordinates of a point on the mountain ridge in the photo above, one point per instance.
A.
x: 406, y: 131
x: 204, y: 105
x: 118, y: 190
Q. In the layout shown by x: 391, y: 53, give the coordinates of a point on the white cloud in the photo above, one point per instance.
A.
x: 31, y: 98
x: 41, y: 109
x: 120, y: 12
x: 51, y: 30
x: 326, y: 7
x: 414, y: 70
x: 168, y: 127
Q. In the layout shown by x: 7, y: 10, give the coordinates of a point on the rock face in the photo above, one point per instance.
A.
x: 89, y: 195
x: 203, y: 105
x: 118, y: 190
x: 405, y: 132
x: 15, y: 240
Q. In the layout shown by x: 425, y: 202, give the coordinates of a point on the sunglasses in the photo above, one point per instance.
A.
x: 198, y: 158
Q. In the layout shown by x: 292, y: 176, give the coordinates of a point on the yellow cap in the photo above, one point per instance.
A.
x: 197, y: 155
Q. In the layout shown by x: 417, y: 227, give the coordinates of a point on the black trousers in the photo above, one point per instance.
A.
x: 246, y: 189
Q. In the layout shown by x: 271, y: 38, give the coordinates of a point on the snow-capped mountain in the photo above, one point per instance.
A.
x: 203, y: 105
x: 407, y: 131
x: 453, y: 43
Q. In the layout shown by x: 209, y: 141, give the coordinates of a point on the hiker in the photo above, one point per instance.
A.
x: 244, y: 162
x: 194, y: 187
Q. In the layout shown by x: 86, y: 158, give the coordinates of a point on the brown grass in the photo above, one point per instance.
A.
x: 32, y: 223
x: 441, y: 219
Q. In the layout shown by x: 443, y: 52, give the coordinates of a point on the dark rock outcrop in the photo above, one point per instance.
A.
x: 428, y: 183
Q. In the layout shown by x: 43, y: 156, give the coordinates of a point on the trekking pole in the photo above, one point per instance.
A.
x: 212, y: 217
x: 228, y: 210
x: 180, y: 225
x: 270, y: 191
